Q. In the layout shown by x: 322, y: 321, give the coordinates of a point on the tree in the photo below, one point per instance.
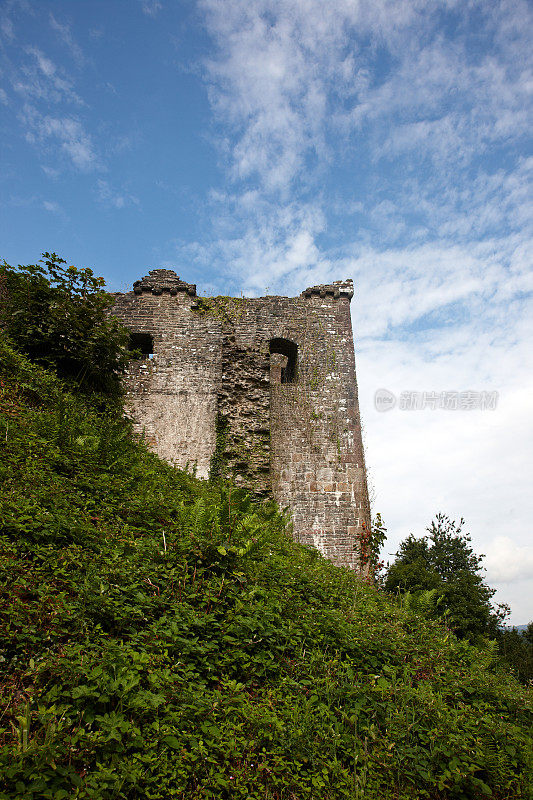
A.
x: 444, y: 561
x: 58, y: 316
x: 516, y: 648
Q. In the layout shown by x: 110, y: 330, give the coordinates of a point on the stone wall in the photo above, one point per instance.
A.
x: 265, y: 385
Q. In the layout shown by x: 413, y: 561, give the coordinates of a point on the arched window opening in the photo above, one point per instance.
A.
x: 288, y: 349
x: 143, y: 342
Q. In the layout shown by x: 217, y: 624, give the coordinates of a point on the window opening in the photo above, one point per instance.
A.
x: 290, y: 350
x: 143, y: 342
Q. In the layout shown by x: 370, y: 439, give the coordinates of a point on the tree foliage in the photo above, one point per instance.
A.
x: 58, y: 316
x: 516, y: 648
x: 445, y: 562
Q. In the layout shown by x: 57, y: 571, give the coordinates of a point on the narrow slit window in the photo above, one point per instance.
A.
x: 143, y: 342
x: 290, y: 350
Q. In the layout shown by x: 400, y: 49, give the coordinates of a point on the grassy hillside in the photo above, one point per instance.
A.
x: 162, y: 637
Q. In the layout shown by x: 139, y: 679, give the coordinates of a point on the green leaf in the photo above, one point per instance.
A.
x: 172, y: 742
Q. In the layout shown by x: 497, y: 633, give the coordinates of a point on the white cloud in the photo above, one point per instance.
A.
x: 475, y: 464
x: 68, y: 132
x: 64, y: 32
x: 273, y: 249
x: 51, y: 172
x: 41, y: 84
x: 110, y: 197
x: 74, y: 141
x: 151, y: 7
x: 6, y: 26
x: 506, y: 561
x: 52, y: 206
x: 40, y: 79
x: 269, y: 85
x: 287, y: 75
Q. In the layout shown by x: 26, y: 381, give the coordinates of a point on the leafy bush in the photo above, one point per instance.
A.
x: 163, y: 637
x: 444, y: 562
x: 516, y: 650
x: 58, y: 317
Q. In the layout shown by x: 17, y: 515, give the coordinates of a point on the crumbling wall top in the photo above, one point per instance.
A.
x: 163, y: 280
x: 336, y: 289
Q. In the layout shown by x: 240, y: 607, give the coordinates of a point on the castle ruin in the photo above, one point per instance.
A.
x: 260, y: 390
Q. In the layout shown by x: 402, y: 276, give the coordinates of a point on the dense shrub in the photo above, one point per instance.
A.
x: 58, y: 316
x: 162, y: 637
x: 516, y: 650
x: 444, y: 563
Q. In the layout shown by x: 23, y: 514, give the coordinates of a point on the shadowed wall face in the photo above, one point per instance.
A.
x: 262, y: 390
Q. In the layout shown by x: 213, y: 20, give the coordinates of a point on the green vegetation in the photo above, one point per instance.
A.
x: 225, y: 309
x: 516, y: 649
x: 444, y: 564
x: 57, y: 316
x: 162, y: 637
x: 441, y: 575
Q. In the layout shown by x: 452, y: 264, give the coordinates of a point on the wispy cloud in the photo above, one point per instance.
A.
x: 107, y: 195
x: 151, y: 7
x: 6, y: 26
x: 53, y: 207
x: 269, y: 84
x: 51, y: 172
x: 10, y: 10
x: 66, y: 132
x: 64, y: 32
x: 288, y: 75
x: 40, y: 79
x: 261, y: 244
x: 44, y: 98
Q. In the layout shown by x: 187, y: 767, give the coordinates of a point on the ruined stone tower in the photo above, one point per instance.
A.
x: 262, y: 390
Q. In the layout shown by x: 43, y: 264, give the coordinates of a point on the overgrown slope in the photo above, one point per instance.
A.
x: 162, y: 637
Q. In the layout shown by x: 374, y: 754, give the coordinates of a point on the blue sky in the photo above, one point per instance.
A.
x: 263, y: 146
